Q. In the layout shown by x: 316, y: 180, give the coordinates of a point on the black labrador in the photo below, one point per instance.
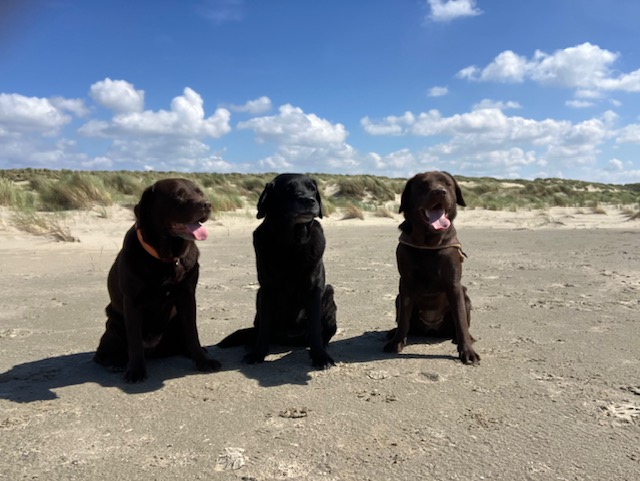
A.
x: 432, y: 300
x: 152, y: 282
x: 294, y: 305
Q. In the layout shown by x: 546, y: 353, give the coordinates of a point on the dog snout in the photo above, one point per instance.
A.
x: 440, y: 192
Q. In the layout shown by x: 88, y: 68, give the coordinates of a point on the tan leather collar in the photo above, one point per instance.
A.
x: 406, y: 240
x: 152, y: 250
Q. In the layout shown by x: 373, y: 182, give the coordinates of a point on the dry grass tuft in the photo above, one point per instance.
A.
x: 351, y: 211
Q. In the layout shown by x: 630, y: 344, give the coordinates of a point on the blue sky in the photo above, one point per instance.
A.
x: 518, y: 89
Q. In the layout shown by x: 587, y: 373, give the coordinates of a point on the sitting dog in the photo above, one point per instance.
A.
x: 294, y: 306
x: 432, y: 300
x: 152, y: 282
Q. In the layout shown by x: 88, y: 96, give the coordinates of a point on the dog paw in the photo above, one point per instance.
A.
x: 135, y: 374
x: 468, y: 356
x: 395, y: 346
x: 322, y: 361
x: 208, y: 365
x: 253, y: 358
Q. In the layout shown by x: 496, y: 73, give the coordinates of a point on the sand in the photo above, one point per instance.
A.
x: 555, y: 397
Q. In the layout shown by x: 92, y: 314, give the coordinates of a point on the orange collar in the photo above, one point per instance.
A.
x: 152, y: 250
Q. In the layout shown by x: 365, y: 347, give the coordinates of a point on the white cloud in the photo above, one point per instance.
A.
x: 616, y: 164
x: 447, y: 10
x: 579, y: 104
x: 75, y: 106
x: 19, y: 114
x: 304, y: 140
x: 496, y: 104
x: 117, y: 95
x: 257, y: 106
x: 293, y: 127
x: 438, y: 91
x: 629, y: 134
x: 485, y: 140
x: 185, y: 119
x: 391, y: 125
x: 586, y: 68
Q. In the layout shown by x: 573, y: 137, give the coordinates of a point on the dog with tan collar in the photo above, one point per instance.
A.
x: 432, y: 300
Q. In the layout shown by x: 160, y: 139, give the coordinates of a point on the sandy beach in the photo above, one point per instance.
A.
x: 556, y: 302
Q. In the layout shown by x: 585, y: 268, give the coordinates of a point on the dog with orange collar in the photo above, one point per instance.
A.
x: 152, y: 283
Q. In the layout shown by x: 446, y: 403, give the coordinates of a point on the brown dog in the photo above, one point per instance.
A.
x: 152, y: 282
x: 432, y: 299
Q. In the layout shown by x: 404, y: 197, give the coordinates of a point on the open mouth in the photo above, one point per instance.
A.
x: 436, y: 217
x: 189, y: 231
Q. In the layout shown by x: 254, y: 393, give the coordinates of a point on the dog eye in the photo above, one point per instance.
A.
x: 181, y: 193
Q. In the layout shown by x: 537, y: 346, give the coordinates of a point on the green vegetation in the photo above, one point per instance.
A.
x: 31, y: 193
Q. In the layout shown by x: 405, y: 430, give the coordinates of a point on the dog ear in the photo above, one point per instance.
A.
x: 318, y: 198
x: 459, y: 198
x: 405, y: 198
x: 262, y: 201
x: 143, y: 207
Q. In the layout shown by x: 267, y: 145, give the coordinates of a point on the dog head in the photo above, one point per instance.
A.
x: 429, y: 200
x: 290, y: 198
x: 172, y: 208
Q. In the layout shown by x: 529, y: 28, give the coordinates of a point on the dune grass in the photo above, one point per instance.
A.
x: 32, y: 191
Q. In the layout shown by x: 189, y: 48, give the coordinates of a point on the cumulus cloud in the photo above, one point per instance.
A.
x: 257, y: 106
x: 117, y: 95
x: 447, y: 10
x: 586, y: 68
x: 294, y: 127
x: 185, y: 119
x: 629, y: 134
x: 172, y: 139
x: 303, y: 140
x: 488, y: 140
x: 30, y: 114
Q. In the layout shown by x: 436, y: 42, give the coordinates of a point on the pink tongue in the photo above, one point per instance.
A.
x: 198, y: 231
x: 437, y: 219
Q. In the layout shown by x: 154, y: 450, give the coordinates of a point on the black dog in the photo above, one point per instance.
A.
x: 294, y: 306
x: 152, y: 282
x: 432, y: 300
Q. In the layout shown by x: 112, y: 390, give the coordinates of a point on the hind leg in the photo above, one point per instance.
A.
x: 112, y: 349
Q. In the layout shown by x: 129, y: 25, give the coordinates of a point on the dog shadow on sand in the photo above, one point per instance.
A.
x: 38, y: 380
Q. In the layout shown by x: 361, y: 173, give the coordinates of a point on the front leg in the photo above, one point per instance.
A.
x: 460, y: 315
x: 319, y: 356
x: 136, y: 370
x: 263, y: 329
x: 404, y: 307
x: 186, y: 310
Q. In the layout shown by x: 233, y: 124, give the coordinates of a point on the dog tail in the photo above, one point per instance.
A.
x: 241, y: 337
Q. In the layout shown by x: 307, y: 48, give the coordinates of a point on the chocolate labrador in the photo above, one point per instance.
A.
x: 152, y: 282
x: 432, y: 300
x: 294, y: 305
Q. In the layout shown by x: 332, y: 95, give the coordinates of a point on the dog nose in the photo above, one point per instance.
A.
x: 206, y: 205
x: 440, y: 192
